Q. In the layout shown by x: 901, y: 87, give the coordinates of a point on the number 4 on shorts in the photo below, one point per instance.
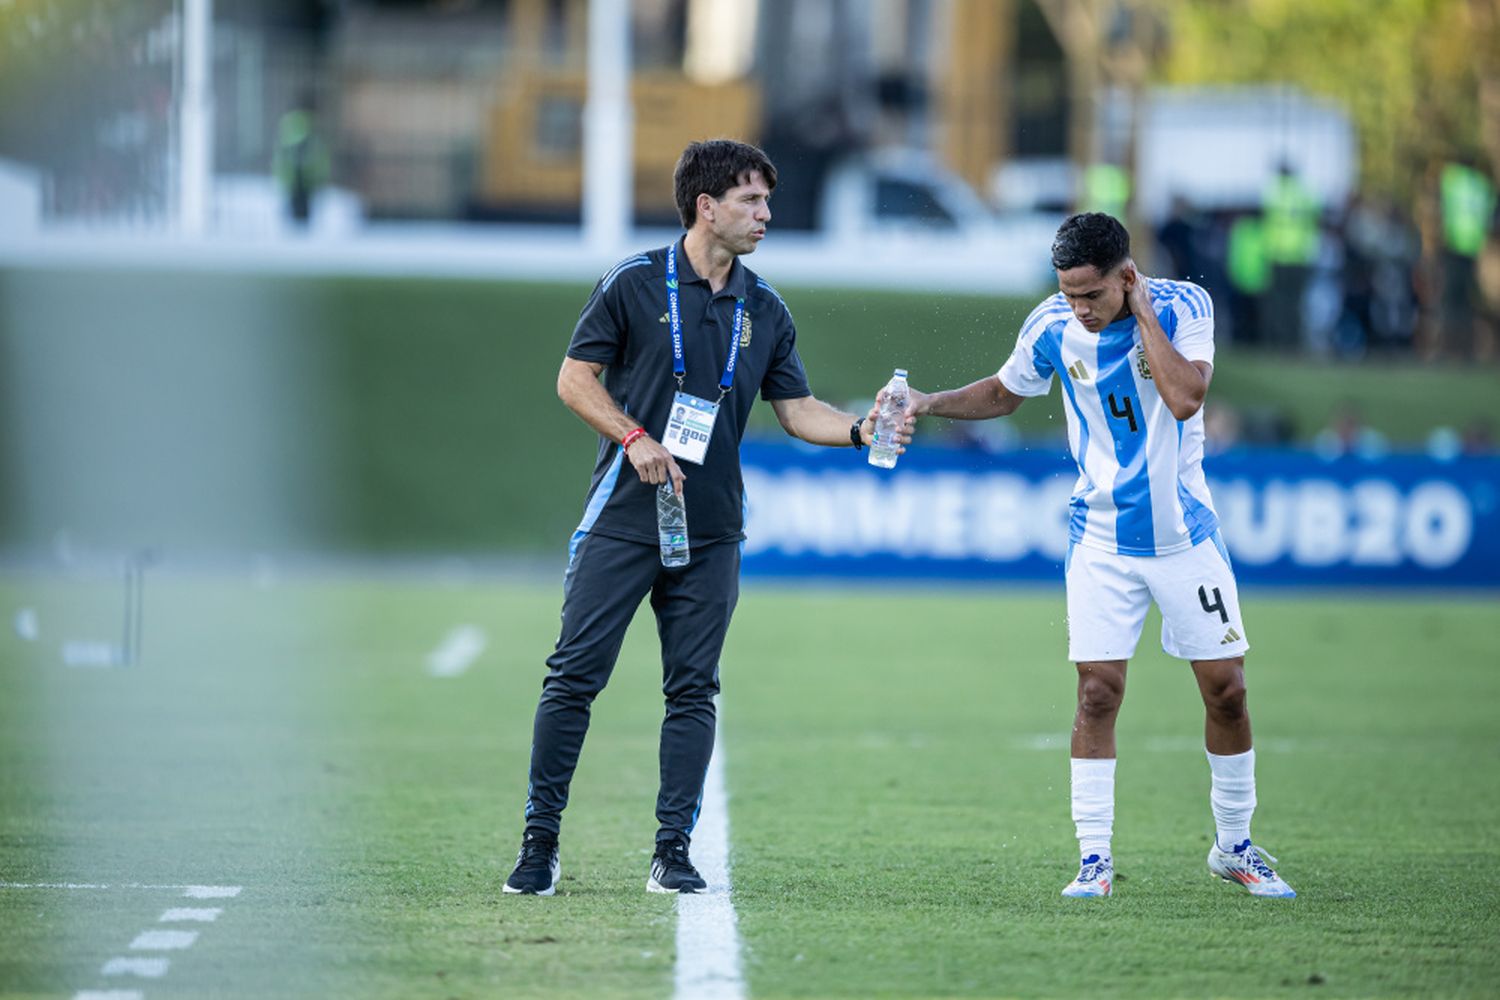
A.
x: 1217, y: 605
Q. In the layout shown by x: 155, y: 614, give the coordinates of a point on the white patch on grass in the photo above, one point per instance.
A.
x: 157, y: 939
x: 191, y: 891
x: 52, y: 885
x: 194, y: 892
x: 458, y: 650
x: 163, y: 940
x: 207, y: 891
x: 27, y: 625
x: 708, y: 940
x: 146, y: 968
x: 90, y: 653
x: 202, y: 915
x: 1194, y: 744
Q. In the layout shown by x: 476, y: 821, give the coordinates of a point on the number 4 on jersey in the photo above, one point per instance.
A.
x: 1127, y: 413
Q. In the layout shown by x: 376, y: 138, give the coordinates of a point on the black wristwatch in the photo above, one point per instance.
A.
x: 855, y: 436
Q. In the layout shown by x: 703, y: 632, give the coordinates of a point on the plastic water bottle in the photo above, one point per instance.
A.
x: 671, y: 526
x: 883, y: 449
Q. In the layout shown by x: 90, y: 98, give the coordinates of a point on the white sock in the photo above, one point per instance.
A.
x: 1094, y: 804
x: 1232, y: 796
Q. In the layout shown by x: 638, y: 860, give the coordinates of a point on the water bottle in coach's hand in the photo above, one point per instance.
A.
x: 671, y: 526
x: 888, y: 423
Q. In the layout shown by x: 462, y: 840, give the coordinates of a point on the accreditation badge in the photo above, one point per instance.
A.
x: 689, y: 427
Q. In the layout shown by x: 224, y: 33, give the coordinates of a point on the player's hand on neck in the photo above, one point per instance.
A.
x: 1137, y: 290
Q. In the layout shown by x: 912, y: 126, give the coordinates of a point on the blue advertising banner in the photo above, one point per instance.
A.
x: 1288, y: 517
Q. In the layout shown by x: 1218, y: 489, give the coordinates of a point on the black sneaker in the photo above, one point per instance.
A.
x: 537, y: 867
x: 672, y: 871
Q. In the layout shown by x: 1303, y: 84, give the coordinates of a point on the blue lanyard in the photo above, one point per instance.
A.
x: 674, y: 318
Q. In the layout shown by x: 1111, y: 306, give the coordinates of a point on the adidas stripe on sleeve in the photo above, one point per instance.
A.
x: 1029, y: 369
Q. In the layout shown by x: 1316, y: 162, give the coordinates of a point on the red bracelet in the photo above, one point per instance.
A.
x: 631, y: 438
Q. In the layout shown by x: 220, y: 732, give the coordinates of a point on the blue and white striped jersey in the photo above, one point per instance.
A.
x: 1140, y: 489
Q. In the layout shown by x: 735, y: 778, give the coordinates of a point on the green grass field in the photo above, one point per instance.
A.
x: 898, y: 799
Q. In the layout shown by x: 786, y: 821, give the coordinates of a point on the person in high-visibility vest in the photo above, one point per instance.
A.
x: 1249, y: 277
x: 1466, y: 199
x: 301, y: 162
x: 1289, y: 218
x: 1106, y: 188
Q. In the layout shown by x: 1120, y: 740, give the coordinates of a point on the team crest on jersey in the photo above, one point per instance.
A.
x: 745, y: 331
x: 1140, y: 362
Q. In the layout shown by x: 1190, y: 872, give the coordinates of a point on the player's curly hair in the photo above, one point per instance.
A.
x: 713, y: 167
x: 1090, y: 238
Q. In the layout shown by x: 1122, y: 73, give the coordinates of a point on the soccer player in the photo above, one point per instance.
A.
x: 684, y: 336
x: 1135, y: 357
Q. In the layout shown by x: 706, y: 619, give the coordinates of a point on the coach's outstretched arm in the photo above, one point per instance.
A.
x: 976, y: 401
x: 1182, y: 384
x: 815, y: 422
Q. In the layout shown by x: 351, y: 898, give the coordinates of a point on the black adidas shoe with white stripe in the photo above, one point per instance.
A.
x: 672, y: 871
x: 537, y: 868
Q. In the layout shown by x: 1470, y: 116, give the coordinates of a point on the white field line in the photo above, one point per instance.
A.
x: 1192, y: 744
x: 209, y: 891
x: 146, y: 968
x: 90, y: 653
x: 1156, y: 744
x: 190, y: 891
x: 163, y: 940
x: 27, y: 625
x: 156, y: 939
x: 203, y: 915
x: 458, y: 650
x: 708, y: 940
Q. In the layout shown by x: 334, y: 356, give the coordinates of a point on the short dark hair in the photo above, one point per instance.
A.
x: 1090, y: 238
x: 713, y: 167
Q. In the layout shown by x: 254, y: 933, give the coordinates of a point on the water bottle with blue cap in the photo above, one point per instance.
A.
x: 885, y: 446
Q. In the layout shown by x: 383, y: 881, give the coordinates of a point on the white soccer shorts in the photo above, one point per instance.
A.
x: 1109, y: 595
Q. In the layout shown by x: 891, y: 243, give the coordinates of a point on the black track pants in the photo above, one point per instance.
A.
x: 605, y: 582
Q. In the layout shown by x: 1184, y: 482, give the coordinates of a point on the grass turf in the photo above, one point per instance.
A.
x: 898, y: 799
x: 901, y: 809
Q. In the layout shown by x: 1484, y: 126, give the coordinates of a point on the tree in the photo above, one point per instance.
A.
x: 1408, y: 71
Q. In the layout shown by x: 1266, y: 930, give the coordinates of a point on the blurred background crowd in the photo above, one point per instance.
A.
x: 1326, y: 170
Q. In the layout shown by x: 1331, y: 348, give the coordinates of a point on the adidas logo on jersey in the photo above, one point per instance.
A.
x: 1230, y: 636
x: 1079, y: 373
x: 665, y: 318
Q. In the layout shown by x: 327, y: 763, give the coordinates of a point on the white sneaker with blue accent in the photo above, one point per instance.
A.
x: 1096, y: 877
x: 1247, y: 865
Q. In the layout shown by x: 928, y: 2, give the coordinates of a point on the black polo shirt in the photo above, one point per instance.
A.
x: 624, y: 327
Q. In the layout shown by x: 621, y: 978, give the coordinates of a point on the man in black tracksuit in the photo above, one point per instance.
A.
x: 684, y: 336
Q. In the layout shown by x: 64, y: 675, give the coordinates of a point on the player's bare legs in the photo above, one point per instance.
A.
x: 1226, y: 723
x: 1226, y: 736
x: 1101, y: 688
